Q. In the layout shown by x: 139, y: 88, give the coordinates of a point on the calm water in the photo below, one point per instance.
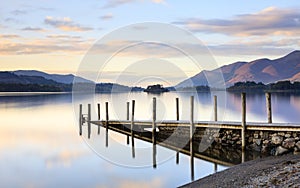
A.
x: 40, y: 146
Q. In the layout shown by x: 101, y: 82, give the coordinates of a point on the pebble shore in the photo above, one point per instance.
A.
x: 274, y: 171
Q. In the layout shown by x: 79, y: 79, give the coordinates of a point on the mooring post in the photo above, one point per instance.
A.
x: 127, y: 118
x: 89, y: 121
x: 80, y: 119
x: 216, y: 167
x: 243, y: 96
x: 191, y: 138
x: 107, y: 117
x: 177, y: 109
x: 127, y: 115
x: 243, y: 156
x: 98, y: 105
x: 192, y: 119
x: 216, y: 108
x: 106, y: 127
x: 154, y: 121
x: 269, y: 107
x: 132, y: 125
x: 177, y: 118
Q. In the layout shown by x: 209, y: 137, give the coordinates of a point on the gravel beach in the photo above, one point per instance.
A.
x: 274, y: 171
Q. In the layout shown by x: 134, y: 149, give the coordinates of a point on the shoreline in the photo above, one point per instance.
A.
x: 273, y: 171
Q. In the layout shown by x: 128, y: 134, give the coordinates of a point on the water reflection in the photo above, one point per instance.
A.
x: 39, y: 140
x: 218, y: 155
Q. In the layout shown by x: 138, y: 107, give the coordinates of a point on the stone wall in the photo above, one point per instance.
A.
x: 265, y: 142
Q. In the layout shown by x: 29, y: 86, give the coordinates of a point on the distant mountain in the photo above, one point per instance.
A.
x: 261, y: 70
x: 36, y: 81
x: 11, y: 78
x: 65, y: 79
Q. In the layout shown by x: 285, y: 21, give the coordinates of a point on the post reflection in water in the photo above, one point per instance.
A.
x: 132, y: 147
x: 106, y: 137
x: 154, y: 155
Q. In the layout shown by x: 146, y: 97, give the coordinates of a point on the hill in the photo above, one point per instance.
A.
x: 65, y: 79
x: 260, y: 70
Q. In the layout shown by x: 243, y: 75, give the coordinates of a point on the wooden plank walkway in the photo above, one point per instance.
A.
x: 255, y: 126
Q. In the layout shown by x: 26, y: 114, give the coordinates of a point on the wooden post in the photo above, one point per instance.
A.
x: 216, y: 108
x: 191, y: 138
x: 243, y: 156
x: 177, y: 109
x: 269, y: 107
x: 89, y: 119
x: 98, y: 111
x: 107, y: 117
x: 192, y: 119
x: 216, y: 167
x: 127, y: 115
x: 98, y: 105
x: 80, y: 119
x: 243, y: 130
x: 154, y: 121
x: 177, y: 118
x: 127, y: 118
x: 132, y: 131
x: 106, y: 109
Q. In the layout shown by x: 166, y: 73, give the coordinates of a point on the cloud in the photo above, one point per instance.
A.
x: 65, y: 24
x: 9, y: 36
x: 12, y: 20
x: 33, y: 29
x: 249, y: 50
x: 67, y: 37
x: 45, y: 9
x: 116, y: 3
x: 49, y: 45
x: 269, y: 21
x: 107, y: 16
x: 18, y: 12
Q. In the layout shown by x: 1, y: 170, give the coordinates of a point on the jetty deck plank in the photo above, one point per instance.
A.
x: 208, y: 124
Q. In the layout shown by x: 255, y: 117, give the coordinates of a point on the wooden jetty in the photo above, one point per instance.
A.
x: 147, y: 130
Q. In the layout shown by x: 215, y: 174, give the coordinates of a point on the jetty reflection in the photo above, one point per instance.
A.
x: 216, y: 154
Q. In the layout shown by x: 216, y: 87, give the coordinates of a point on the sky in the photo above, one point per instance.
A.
x: 55, y: 36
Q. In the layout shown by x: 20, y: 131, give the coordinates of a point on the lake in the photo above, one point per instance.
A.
x: 40, y: 145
